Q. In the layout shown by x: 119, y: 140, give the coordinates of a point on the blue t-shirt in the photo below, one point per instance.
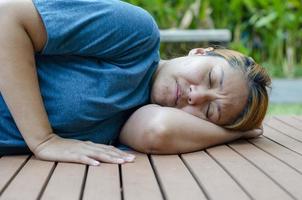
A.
x: 94, y: 71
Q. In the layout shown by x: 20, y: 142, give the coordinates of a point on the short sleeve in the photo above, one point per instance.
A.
x: 107, y: 29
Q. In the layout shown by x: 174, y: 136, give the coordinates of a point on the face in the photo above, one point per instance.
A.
x: 204, y: 86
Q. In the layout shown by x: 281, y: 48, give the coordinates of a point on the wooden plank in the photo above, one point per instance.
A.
x: 175, y: 179
x: 139, y: 176
x: 65, y: 182
x: 298, y: 117
x: 9, y: 167
x: 257, y: 184
x: 214, y: 180
x: 291, y: 158
x: 282, y: 139
x: 103, y: 182
x: 291, y: 121
x: 285, y: 176
x: 284, y: 128
x: 176, y: 35
x: 29, y: 181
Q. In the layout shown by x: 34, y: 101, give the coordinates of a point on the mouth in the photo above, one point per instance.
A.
x: 177, y: 95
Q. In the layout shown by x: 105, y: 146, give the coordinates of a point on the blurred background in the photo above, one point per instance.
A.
x: 270, y: 31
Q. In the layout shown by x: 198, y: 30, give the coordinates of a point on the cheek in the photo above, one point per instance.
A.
x: 191, y: 74
x: 192, y: 78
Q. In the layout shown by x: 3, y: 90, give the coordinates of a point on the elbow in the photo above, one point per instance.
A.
x: 156, y: 139
x: 153, y: 136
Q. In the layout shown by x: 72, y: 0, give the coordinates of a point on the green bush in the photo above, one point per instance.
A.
x: 284, y: 109
x: 268, y: 30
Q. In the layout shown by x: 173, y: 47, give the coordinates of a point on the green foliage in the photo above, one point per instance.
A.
x: 285, y: 109
x: 268, y: 30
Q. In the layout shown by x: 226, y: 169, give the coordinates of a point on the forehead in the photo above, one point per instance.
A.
x: 234, y: 93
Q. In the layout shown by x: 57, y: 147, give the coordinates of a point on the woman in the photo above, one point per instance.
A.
x: 76, y: 76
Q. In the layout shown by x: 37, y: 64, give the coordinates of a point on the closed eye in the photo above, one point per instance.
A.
x: 210, y: 80
x: 207, y: 113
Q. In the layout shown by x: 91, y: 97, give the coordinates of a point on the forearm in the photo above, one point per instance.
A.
x: 19, y: 83
x: 182, y: 132
x: 164, y: 130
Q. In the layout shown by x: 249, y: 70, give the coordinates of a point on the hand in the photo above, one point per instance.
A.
x: 253, y: 133
x: 70, y: 150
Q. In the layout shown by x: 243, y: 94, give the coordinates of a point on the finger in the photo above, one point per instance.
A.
x: 111, y: 148
x: 105, y: 157
x: 84, y: 160
x: 127, y: 156
x: 115, y: 151
x: 93, y: 150
x: 89, y: 161
x: 105, y: 150
x: 260, y: 132
x: 92, y: 157
x: 112, y: 151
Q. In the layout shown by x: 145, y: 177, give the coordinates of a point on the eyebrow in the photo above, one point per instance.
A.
x: 220, y: 88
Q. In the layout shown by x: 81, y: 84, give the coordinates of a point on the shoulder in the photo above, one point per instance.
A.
x: 25, y: 14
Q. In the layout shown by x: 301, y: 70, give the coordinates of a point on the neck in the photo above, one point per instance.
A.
x: 161, y: 64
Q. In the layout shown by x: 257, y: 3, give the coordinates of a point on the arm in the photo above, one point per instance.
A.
x: 164, y: 130
x: 18, y: 77
x: 24, y: 35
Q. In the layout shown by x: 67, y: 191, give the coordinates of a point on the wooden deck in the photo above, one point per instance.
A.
x: 269, y: 167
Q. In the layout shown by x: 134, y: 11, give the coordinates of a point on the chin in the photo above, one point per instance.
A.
x: 154, y: 101
x: 152, y: 96
x: 158, y: 101
x: 155, y: 97
x: 160, y: 91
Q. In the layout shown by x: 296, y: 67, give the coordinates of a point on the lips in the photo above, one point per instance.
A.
x: 177, y: 95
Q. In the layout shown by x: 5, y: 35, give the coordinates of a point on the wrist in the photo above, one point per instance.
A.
x: 39, y: 144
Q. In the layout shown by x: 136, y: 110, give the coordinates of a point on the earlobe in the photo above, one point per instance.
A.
x: 200, y: 51
x: 197, y: 52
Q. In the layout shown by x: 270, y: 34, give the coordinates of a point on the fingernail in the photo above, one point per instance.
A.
x: 129, y: 158
x: 119, y: 160
x: 96, y: 163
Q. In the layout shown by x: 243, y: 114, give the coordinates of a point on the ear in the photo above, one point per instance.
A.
x: 200, y: 51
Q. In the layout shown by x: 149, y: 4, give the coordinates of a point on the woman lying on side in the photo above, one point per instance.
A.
x: 76, y: 77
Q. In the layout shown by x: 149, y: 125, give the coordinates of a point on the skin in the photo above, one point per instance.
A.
x: 24, y: 35
x: 187, y: 119
x: 207, y: 86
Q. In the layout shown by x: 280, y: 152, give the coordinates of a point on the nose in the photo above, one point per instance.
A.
x: 199, y: 94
